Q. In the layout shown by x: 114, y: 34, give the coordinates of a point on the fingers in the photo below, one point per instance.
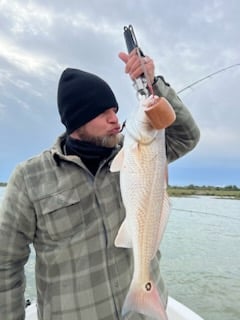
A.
x: 123, y: 56
x: 134, y: 65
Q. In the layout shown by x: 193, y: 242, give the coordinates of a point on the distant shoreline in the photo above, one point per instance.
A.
x: 231, y: 191
x: 3, y: 184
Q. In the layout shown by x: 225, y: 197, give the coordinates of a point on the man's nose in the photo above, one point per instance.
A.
x: 112, y: 116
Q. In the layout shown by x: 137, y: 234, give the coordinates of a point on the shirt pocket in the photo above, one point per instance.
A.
x: 62, y: 214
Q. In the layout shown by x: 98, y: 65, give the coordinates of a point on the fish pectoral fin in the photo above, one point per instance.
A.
x: 117, y: 162
x: 123, y: 238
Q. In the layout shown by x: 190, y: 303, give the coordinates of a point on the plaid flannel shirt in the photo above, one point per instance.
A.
x: 72, y: 218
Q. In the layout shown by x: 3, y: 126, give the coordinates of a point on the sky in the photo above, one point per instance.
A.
x: 187, y: 39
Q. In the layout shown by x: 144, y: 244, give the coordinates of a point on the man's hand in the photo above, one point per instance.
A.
x: 134, y: 65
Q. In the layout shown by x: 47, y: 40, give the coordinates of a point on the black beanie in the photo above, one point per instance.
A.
x: 82, y: 96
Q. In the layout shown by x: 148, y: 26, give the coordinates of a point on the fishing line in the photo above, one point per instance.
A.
x: 207, y: 213
x: 208, y: 76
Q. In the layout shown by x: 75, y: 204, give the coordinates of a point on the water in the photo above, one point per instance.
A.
x: 200, y: 256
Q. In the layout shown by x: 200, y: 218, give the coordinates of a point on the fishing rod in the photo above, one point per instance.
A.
x: 208, y: 76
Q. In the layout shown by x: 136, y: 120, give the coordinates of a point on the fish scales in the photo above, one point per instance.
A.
x: 142, y: 163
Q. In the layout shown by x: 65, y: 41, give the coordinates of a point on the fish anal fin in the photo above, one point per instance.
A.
x: 123, y: 238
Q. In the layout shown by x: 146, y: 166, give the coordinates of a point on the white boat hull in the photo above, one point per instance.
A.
x: 178, y: 311
x: 175, y: 311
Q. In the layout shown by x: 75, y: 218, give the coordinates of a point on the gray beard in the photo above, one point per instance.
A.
x: 109, y: 141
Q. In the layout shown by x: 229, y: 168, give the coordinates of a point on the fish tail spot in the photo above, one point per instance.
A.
x: 146, y: 300
x: 148, y: 286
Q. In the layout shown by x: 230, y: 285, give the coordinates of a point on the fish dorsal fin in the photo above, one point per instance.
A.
x: 117, y: 162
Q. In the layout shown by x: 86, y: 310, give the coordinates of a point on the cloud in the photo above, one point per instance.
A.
x: 22, y: 59
x: 28, y: 19
x: 187, y: 40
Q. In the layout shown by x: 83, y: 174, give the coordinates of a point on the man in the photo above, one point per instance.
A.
x: 68, y: 204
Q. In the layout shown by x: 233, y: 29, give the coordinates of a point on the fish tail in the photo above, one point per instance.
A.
x: 145, y: 300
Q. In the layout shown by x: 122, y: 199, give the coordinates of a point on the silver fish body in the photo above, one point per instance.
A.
x: 142, y: 163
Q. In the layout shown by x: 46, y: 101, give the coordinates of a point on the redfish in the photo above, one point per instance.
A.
x: 142, y: 163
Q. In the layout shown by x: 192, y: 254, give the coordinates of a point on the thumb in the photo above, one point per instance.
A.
x: 123, y: 56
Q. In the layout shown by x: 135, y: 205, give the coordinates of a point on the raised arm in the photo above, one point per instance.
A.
x: 183, y: 135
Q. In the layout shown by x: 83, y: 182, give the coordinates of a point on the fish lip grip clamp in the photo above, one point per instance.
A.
x: 140, y: 83
x: 161, y: 114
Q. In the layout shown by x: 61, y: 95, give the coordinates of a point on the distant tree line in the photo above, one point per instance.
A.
x: 3, y: 184
x: 194, y: 187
